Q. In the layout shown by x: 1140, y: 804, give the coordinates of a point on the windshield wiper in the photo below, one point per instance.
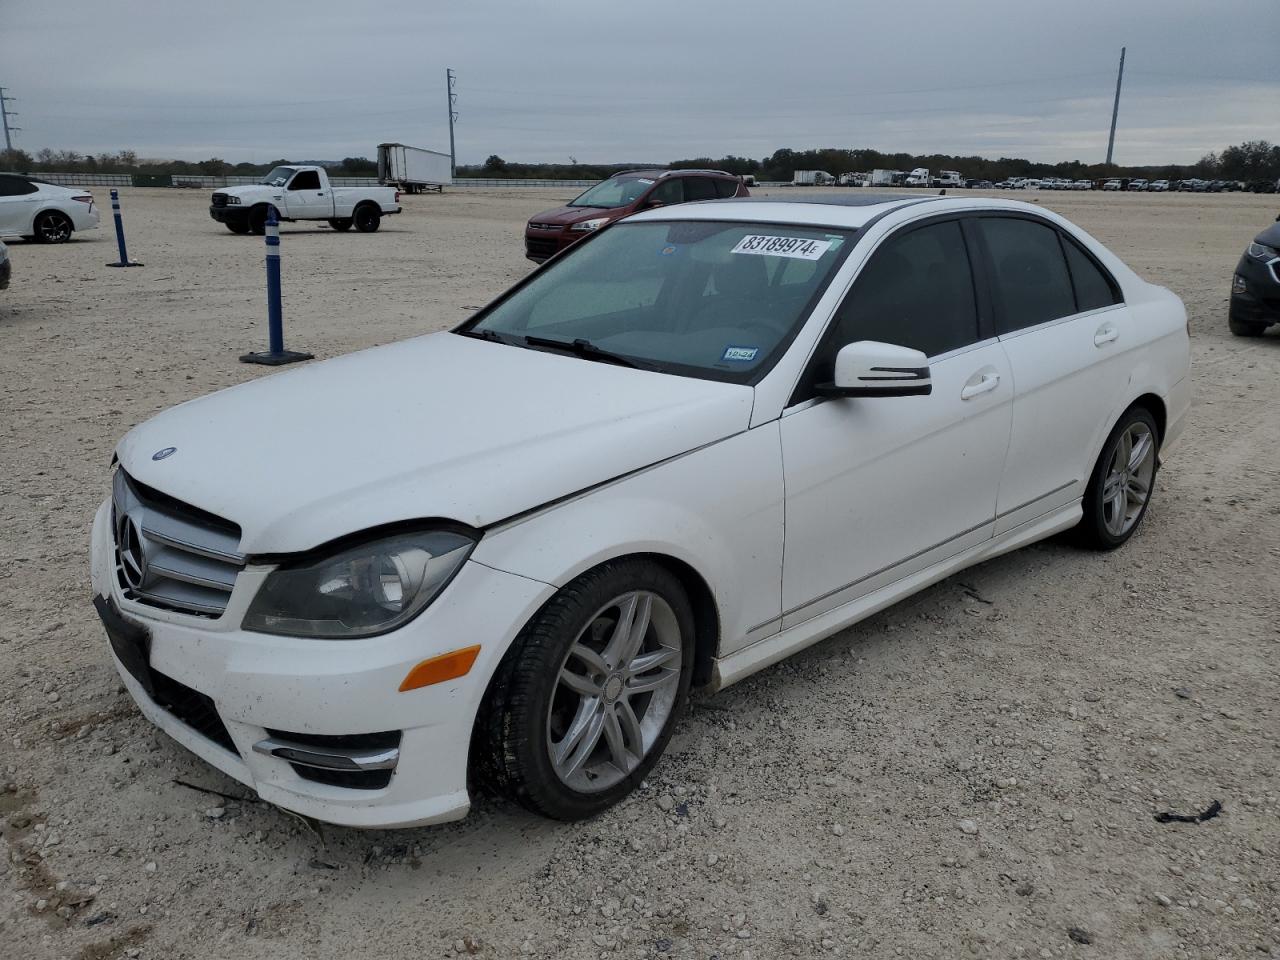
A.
x: 493, y: 335
x: 587, y: 350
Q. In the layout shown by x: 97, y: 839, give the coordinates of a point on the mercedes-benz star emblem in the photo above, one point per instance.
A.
x: 133, y: 557
x: 162, y: 454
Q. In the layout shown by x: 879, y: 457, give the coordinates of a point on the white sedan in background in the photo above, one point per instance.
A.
x: 698, y: 441
x: 43, y: 212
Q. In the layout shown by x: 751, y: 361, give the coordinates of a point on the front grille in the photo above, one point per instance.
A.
x: 219, y: 199
x: 541, y: 249
x: 351, y: 779
x: 544, y: 226
x: 193, y: 708
x: 169, y: 554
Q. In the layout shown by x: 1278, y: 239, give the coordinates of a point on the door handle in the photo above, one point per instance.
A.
x: 1107, y: 333
x: 985, y: 384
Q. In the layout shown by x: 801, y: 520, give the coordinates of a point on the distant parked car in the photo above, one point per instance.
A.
x: 1082, y: 185
x: 1138, y: 184
x: 4, y: 267
x: 1112, y: 185
x: 978, y: 184
x: 1255, y: 287
x: 1262, y: 186
x: 1031, y: 184
x: 43, y: 212
x: 551, y: 231
x: 1158, y: 186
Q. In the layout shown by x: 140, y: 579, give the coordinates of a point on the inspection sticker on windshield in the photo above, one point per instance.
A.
x: 798, y: 248
x: 744, y: 354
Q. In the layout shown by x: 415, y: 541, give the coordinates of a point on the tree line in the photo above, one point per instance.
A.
x: 1252, y: 160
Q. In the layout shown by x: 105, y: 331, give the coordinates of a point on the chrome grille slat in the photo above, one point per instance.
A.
x: 172, y: 556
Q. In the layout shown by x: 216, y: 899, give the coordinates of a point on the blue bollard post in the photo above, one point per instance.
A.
x: 124, y: 255
x: 277, y: 354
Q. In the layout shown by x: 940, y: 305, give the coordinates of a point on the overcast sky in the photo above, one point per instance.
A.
x: 653, y: 81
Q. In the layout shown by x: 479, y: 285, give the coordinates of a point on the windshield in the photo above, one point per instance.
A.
x: 715, y: 300
x: 278, y: 177
x: 614, y: 192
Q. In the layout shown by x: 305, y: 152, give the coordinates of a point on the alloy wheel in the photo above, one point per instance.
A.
x: 615, y: 691
x: 54, y: 228
x: 1130, y: 473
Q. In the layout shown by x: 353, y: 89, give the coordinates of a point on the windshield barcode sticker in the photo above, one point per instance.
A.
x: 798, y: 248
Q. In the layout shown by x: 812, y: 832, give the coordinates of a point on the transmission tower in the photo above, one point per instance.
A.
x: 1115, y: 109
x: 5, y: 114
x: 451, y: 83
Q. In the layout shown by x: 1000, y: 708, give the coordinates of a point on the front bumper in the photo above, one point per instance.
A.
x: 228, y: 214
x: 263, y: 686
x: 1260, y: 303
x: 542, y: 245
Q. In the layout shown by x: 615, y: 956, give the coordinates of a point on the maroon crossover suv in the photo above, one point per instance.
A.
x: 627, y: 192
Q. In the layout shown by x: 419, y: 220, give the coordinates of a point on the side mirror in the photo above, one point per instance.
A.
x: 868, y: 368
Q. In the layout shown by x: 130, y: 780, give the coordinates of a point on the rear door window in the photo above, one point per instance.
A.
x: 1094, y: 287
x: 1030, y: 278
x: 727, y: 188
x: 11, y: 186
x: 699, y: 188
x: 668, y: 191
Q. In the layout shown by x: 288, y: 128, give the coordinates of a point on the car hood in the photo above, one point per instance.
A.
x: 563, y: 216
x: 1270, y: 236
x: 441, y: 426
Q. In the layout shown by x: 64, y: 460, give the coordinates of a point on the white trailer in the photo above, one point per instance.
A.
x: 812, y: 178
x: 885, y: 178
x: 413, y: 169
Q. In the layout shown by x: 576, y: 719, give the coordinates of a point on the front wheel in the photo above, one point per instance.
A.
x: 237, y: 226
x: 341, y: 224
x: 584, y: 702
x: 53, y: 226
x: 1122, y: 482
x: 367, y: 218
x: 1245, y: 328
x: 258, y: 219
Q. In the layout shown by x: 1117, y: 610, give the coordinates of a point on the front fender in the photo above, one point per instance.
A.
x: 717, y: 509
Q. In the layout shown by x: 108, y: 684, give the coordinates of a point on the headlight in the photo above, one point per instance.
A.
x: 1260, y: 251
x: 360, y: 591
x: 586, y: 225
x: 232, y: 200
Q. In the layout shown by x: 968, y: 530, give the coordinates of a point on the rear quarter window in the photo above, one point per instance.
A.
x: 1094, y: 287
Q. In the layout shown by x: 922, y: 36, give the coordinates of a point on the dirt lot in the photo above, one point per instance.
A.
x: 1056, y: 699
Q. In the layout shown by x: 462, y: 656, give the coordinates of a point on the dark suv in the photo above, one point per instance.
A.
x: 551, y: 231
x: 1255, y: 288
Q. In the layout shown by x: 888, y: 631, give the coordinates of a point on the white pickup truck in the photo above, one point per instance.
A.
x: 302, y: 193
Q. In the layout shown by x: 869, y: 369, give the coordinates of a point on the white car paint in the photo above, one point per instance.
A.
x: 801, y: 518
x: 20, y: 210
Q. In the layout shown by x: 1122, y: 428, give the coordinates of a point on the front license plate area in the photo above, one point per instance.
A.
x: 130, y: 641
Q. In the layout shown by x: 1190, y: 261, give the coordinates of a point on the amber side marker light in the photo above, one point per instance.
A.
x: 447, y: 666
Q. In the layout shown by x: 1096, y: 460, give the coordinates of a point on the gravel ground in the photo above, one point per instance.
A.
x: 973, y: 772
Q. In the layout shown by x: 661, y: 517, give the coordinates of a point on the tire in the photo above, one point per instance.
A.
x: 258, y: 219
x: 531, y: 714
x: 53, y: 226
x: 1114, y: 502
x: 238, y: 226
x: 1245, y: 328
x: 367, y: 218
x: 341, y: 224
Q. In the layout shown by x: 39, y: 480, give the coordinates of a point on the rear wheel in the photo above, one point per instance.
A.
x: 1122, y: 482
x: 341, y: 223
x: 367, y: 218
x: 53, y: 226
x: 585, y: 701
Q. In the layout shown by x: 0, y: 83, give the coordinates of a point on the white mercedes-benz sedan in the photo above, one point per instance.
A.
x: 696, y: 442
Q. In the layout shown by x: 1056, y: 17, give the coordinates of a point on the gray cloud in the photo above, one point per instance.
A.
x: 640, y: 82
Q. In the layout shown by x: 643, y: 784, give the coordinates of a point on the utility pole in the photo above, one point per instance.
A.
x: 450, y: 83
x: 1115, y: 109
x: 4, y: 120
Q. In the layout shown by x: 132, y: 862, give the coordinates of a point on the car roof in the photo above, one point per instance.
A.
x: 658, y: 174
x: 826, y: 210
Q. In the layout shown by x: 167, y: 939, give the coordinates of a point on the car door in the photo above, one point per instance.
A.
x: 306, y: 197
x: 879, y: 488
x: 1061, y: 319
x: 18, y: 203
x: 699, y: 188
